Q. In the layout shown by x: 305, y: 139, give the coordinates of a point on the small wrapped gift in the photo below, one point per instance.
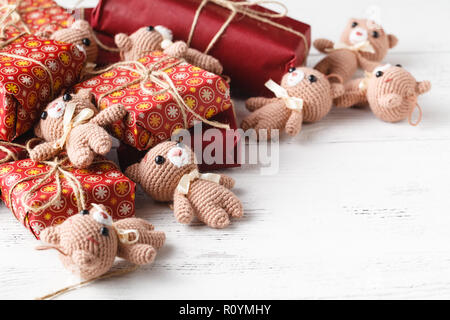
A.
x: 253, y: 44
x: 162, y: 95
x: 36, y: 16
x: 45, y: 194
x: 33, y: 71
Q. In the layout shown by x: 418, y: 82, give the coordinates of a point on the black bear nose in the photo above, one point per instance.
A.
x: 150, y: 28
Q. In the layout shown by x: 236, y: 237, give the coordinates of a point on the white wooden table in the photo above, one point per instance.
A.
x: 359, y: 208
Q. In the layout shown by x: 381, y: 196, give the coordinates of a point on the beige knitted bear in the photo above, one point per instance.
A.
x: 168, y: 172
x: 306, y: 96
x: 81, y: 34
x: 73, y: 122
x: 363, y: 44
x: 149, y: 39
x: 89, y: 242
x: 390, y: 91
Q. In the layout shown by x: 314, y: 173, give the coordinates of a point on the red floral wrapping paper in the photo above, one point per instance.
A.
x: 25, y: 85
x: 102, y: 183
x: 153, y: 117
x: 251, y: 51
x: 42, y: 15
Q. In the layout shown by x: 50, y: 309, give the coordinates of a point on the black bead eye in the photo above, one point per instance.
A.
x: 379, y: 74
x: 160, y: 160
x: 399, y: 65
x: 150, y: 28
x: 375, y: 34
x: 44, y: 115
x: 67, y: 97
x: 292, y: 69
x: 354, y: 24
x: 104, y: 231
x: 312, y: 78
x: 84, y: 212
x: 86, y: 41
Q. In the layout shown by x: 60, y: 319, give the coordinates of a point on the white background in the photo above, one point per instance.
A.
x: 359, y: 208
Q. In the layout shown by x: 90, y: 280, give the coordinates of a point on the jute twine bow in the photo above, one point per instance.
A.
x: 158, y: 76
x: 185, y: 182
x: 243, y: 7
x: 293, y: 103
x: 10, y: 19
x: 364, y: 85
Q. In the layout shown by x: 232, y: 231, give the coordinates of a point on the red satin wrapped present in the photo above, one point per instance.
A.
x: 251, y: 51
x: 102, y: 183
x: 154, y: 114
x: 37, y: 16
x: 11, y: 152
x: 33, y: 71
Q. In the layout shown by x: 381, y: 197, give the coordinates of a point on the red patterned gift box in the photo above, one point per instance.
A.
x: 32, y: 72
x: 154, y: 115
x: 102, y: 183
x: 37, y: 16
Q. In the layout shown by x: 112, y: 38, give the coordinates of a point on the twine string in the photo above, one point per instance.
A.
x: 154, y: 73
x: 243, y: 7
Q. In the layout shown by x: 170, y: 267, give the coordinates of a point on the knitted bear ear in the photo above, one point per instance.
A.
x: 123, y: 42
x: 85, y: 94
x: 423, y: 87
x: 132, y: 172
x: 80, y: 25
x: 392, y: 40
x: 50, y: 235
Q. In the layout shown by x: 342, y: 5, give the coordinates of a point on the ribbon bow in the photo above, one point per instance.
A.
x: 185, y: 182
x: 359, y: 47
x: 293, y: 103
x: 71, y: 122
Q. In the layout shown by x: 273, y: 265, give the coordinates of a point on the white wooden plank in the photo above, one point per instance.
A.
x: 359, y: 208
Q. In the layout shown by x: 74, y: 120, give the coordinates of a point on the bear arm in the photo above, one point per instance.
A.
x: 253, y: 104
x: 137, y: 253
x: 182, y: 208
x: 204, y: 61
x: 109, y: 115
x: 44, y: 151
x: 294, y: 123
x: 322, y: 44
x: 177, y: 49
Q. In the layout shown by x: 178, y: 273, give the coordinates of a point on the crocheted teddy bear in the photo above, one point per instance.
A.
x: 89, y: 242
x: 168, y: 172
x: 72, y: 121
x: 81, y: 34
x: 305, y: 95
x: 363, y: 44
x: 390, y: 91
x: 159, y: 38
